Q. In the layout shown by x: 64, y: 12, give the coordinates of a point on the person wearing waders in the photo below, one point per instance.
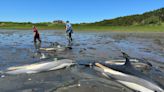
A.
x: 36, y: 35
x: 69, y: 31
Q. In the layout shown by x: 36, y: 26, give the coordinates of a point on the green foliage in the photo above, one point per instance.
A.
x: 149, y: 21
x: 153, y: 17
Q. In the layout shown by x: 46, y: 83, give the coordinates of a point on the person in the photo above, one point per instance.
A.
x: 69, y: 31
x: 36, y: 35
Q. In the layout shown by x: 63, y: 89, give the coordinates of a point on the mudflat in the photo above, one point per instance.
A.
x: 17, y: 48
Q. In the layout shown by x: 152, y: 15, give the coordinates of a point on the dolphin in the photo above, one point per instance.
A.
x: 58, y: 48
x: 39, y: 67
x: 128, y: 76
x: 136, y: 63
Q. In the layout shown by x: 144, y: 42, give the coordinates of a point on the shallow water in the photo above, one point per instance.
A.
x: 17, y: 48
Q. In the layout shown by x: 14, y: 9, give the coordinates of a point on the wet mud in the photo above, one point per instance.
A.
x: 17, y: 48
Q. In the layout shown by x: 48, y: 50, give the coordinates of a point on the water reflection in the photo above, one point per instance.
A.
x: 37, y: 46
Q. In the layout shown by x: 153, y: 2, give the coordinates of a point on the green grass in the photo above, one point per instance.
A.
x: 150, y: 28
x: 147, y: 28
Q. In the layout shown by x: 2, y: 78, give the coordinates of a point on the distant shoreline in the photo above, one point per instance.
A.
x: 152, y: 21
x: 152, y: 28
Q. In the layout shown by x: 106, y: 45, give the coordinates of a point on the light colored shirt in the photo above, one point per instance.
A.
x: 69, y: 28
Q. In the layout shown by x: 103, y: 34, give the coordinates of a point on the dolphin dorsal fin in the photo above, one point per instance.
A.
x: 127, y: 62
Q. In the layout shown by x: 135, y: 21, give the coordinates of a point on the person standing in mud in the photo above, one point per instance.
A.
x: 36, y: 35
x: 69, y: 31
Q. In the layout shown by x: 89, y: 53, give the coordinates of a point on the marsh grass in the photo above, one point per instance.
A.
x: 147, y: 28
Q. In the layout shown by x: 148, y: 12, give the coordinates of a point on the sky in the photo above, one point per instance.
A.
x: 76, y: 11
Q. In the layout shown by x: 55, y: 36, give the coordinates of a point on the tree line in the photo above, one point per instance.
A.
x: 155, y: 17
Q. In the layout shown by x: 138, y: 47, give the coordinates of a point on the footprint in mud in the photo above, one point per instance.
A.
x: 158, y: 42
x: 82, y: 51
x: 83, y: 44
x: 13, y: 50
x: 20, y: 36
x: 120, y: 37
x: 92, y: 48
x: 77, y: 45
x: 15, y: 43
x: 108, y: 42
x: 145, y: 50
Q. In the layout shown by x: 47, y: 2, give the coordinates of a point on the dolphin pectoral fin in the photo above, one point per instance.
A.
x: 106, y: 75
x: 69, y: 66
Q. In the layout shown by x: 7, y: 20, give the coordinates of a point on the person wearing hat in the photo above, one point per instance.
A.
x: 69, y: 31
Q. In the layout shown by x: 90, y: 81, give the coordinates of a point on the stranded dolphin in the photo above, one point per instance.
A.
x: 39, y: 67
x: 56, y: 47
x: 128, y: 76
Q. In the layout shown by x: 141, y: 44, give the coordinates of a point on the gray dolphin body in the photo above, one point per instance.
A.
x: 39, y: 67
x: 56, y: 47
x: 59, y: 49
x: 128, y: 76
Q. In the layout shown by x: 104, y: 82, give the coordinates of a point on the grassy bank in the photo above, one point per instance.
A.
x: 29, y: 27
x: 148, y: 28
x: 121, y: 28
